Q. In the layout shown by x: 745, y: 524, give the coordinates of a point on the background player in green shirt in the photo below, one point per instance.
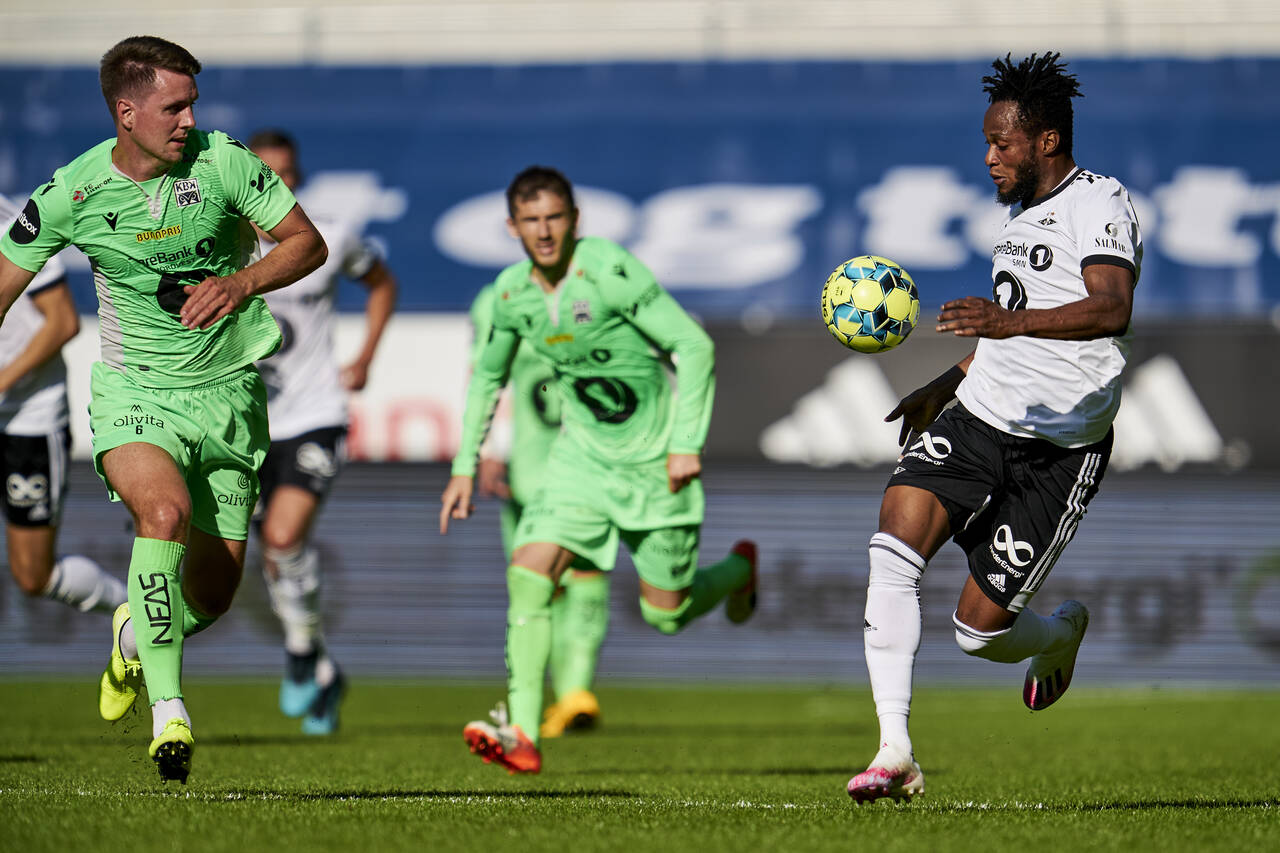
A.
x: 511, y: 466
x: 178, y: 410
x: 627, y: 460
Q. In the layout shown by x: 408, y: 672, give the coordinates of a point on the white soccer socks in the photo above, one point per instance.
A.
x: 295, y: 595
x: 81, y: 583
x: 1030, y: 634
x: 891, y: 633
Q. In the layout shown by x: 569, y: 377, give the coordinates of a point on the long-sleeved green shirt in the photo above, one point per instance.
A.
x: 609, y: 331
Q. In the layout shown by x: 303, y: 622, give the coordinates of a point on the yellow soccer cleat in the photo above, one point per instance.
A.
x: 172, y: 750
x: 123, y: 677
x: 578, y: 710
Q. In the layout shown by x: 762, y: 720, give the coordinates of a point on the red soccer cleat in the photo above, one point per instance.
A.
x: 502, y: 743
x: 741, y: 603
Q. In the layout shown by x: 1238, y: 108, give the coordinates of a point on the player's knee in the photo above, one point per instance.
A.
x: 279, y: 537
x: 31, y: 567
x: 30, y: 580
x: 164, y: 518
x: 980, y: 644
x: 667, y: 620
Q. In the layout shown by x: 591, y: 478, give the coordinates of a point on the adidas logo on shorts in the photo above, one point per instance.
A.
x: 997, y: 581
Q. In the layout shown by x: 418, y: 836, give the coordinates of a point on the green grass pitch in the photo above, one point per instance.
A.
x: 673, y: 769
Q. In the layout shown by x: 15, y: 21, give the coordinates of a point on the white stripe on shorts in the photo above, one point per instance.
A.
x: 1067, y: 525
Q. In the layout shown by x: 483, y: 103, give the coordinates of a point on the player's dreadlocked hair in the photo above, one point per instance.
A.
x: 1041, y: 88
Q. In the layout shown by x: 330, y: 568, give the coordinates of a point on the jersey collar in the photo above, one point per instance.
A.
x: 1059, y: 188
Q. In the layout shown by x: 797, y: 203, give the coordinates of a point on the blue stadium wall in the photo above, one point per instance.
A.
x: 742, y: 183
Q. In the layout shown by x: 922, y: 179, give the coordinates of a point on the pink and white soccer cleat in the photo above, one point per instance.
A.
x: 892, y: 773
x: 1049, y: 674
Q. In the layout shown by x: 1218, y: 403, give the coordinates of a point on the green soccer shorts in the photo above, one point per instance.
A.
x: 217, y: 434
x: 584, y: 506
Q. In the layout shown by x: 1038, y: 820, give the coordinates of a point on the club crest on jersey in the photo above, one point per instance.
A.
x: 186, y: 192
x: 582, y: 311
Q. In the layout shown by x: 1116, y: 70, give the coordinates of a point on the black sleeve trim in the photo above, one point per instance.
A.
x: 1110, y: 260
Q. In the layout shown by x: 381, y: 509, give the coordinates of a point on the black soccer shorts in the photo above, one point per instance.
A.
x: 1014, y: 502
x: 35, y: 477
x: 309, y: 461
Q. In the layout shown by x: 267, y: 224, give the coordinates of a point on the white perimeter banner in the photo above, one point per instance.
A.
x: 411, y: 410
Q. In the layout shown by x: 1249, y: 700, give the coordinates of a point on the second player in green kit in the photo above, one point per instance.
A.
x: 627, y: 461
x: 513, y: 466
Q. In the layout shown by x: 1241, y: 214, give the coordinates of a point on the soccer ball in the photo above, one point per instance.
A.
x: 870, y: 304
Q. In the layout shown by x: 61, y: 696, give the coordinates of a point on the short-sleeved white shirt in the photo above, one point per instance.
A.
x: 37, y: 404
x: 304, y: 392
x: 1066, y: 392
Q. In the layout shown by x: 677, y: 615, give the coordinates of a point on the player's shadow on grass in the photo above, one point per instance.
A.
x: 445, y: 794
x: 291, y: 739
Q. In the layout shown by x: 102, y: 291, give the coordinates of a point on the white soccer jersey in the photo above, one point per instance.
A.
x: 1067, y: 392
x: 303, y: 390
x: 37, y: 403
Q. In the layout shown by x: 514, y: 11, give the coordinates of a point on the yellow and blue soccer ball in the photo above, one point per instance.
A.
x: 870, y: 304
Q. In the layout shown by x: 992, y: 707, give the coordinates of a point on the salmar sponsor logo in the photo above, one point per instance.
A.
x: 158, y: 234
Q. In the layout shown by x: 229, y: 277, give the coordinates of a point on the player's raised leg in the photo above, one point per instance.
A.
x: 35, y: 467
x: 1051, y: 643
x: 674, y: 592
x: 73, y: 579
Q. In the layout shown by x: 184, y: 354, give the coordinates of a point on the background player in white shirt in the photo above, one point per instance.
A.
x: 1008, y: 471
x: 35, y: 441
x: 307, y: 408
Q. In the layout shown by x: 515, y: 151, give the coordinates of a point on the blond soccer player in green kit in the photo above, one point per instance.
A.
x: 627, y: 460
x: 512, y: 464
x: 178, y: 410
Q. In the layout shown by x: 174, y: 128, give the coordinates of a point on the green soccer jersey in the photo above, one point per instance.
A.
x: 535, y: 404
x: 148, y: 240
x: 609, y: 332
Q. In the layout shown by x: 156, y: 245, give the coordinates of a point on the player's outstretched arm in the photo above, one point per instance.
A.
x: 456, y: 501
x: 922, y: 406
x: 378, y: 308
x: 299, y: 250
x: 13, y: 280
x: 1103, y: 313
x: 61, y: 324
